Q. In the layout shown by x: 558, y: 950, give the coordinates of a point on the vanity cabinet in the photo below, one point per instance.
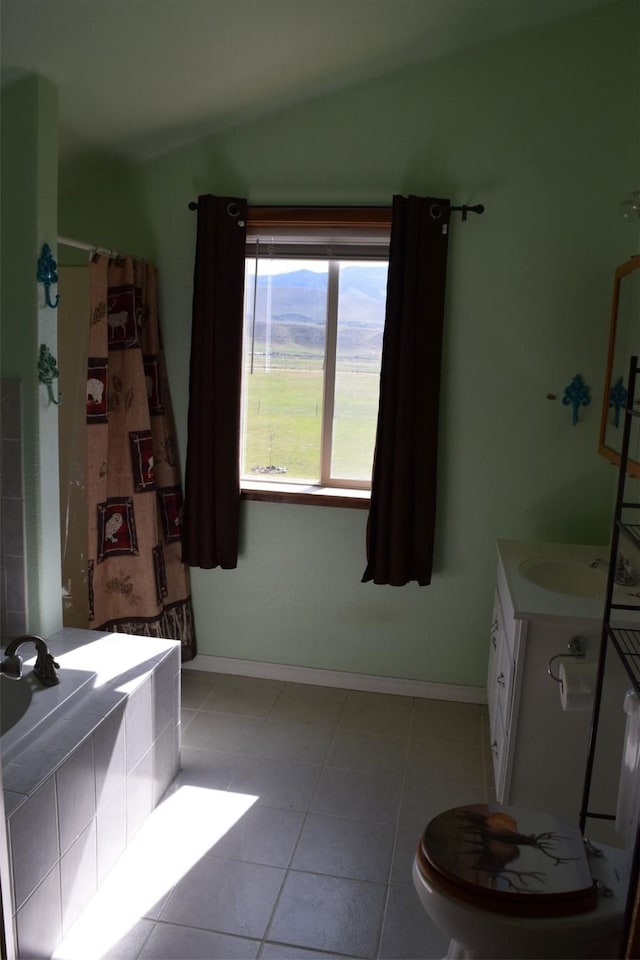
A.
x: 500, y: 690
x: 539, y: 750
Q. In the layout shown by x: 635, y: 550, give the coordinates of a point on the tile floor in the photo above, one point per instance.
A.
x: 290, y: 830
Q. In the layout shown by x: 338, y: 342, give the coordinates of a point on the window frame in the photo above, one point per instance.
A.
x: 341, y: 218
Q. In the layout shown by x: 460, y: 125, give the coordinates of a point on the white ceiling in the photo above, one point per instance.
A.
x: 139, y: 77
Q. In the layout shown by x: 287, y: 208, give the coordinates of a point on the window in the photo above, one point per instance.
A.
x: 315, y: 295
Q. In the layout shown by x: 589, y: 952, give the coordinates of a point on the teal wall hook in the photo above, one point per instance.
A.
x: 48, y: 372
x: 48, y: 274
x: 617, y: 400
x: 577, y: 394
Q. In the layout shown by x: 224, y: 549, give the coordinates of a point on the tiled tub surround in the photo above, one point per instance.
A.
x: 77, y: 794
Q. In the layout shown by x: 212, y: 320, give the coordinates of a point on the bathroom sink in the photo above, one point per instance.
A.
x: 15, y: 697
x: 573, y: 577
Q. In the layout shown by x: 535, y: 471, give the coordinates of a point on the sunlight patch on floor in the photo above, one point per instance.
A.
x: 180, y: 831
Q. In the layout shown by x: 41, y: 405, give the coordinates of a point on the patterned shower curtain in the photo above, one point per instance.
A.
x: 136, y: 579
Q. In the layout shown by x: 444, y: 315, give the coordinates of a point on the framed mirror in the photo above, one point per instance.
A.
x: 624, y: 343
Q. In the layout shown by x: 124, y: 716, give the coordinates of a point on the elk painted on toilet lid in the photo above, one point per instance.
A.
x: 509, y: 852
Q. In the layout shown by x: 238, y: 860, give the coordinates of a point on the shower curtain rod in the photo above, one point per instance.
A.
x: 94, y: 248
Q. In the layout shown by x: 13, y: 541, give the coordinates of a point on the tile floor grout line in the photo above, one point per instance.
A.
x: 247, y: 753
x: 146, y: 939
x: 396, y: 829
x: 307, y: 812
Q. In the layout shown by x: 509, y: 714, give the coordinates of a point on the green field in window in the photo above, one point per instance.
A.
x: 283, y: 422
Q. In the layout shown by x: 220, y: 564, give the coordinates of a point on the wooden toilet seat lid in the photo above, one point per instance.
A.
x: 509, y: 859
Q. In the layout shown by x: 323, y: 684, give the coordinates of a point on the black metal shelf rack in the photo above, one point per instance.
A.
x: 624, y: 638
x: 627, y: 645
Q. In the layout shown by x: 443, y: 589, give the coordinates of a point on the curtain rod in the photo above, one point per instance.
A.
x: 465, y: 208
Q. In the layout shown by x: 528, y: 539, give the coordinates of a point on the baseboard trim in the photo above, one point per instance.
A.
x: 338, y: 678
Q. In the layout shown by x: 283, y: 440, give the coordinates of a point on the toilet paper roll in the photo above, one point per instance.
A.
x: 577, y: 684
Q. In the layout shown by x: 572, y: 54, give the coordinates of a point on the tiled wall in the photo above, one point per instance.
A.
x: 70, y: 819
x: 13, y: 606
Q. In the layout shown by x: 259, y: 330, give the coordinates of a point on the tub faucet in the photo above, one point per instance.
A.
x: 45, y: 666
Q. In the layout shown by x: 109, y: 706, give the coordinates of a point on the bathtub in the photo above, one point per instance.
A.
x: 90, y: 662
x: 27, y: 708
x: 83, y: 765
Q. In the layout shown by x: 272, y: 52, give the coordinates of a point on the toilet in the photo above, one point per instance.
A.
x: 506, y: 883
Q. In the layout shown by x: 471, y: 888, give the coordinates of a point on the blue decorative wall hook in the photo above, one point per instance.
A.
x: 48, y: 274
x: 617, y: 400
x: 48, y: 372
x: 577, y: 394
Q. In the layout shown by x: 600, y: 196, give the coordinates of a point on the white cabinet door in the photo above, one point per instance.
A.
x: 500, y: 680
x: 538, y: 750
x: 495, y: 638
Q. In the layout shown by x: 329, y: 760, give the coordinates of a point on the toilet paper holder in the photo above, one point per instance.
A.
x: 577, y: 647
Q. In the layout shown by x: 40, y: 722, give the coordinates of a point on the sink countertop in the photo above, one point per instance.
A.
x: 532, y: 602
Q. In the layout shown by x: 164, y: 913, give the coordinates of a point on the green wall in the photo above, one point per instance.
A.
x: 542, y: 128
x: 29, y: 219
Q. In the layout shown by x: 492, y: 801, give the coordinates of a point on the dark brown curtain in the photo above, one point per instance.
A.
x: 400, y: 530
x: 212, y: 474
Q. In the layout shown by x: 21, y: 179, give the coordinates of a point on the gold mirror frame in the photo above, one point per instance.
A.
x: 615, y: 333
